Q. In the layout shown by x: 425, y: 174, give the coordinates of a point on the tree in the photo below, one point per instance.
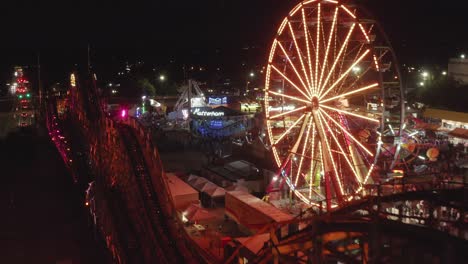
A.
x: 146, y: 87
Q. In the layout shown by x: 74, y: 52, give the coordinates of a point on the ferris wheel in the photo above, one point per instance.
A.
x: 332, y: 92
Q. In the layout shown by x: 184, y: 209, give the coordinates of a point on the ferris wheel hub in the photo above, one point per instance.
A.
x: 315, y: 103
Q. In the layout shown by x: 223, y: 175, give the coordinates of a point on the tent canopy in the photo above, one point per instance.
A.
x: 216, y: 192
x: 195, y: 213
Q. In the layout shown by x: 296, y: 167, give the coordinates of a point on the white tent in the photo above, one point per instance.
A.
x: 208, y: 185
x: 195, y: 213
x: 199, y: 183
x: 216, y: 192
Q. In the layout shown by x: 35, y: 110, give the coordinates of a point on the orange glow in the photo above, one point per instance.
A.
x: 367, y: 177
x: 312, y: 154
x: 283, y: 24
x: 290, y: 97
x: 325, y: 60
x: 364, y: 32
x: 303, y: 151
x: 288, y: 112
x: 349, y: 113
x: 329, y: 79
x: 293, y: 84
x: 293, y: 67
x: 73, y: 80
x: 299, y: 54
x: 288, y: 130
x: 306, y: 32
x: 272, y: 52
x: 338, y: 57
x: 331, y: 156
x: 347, y: 133
x: 342, y: 151
x: 347, y: 11
x: 376, y: 63
x: 350, y: 93
x: 317, y: 48
x: 295, y: 9
x: 344, y: 74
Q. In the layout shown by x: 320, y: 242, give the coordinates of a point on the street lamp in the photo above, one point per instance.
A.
x: 462, y: 56
x: 162, y: 77
x: 252, y: 74
x: 444, y: 73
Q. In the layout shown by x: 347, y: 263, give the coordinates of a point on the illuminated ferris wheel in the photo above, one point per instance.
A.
x: 333, y: 98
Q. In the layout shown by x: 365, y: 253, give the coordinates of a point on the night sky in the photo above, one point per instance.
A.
x: 422, y: 32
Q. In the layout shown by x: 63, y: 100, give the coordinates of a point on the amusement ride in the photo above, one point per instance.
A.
x: 335, y: 78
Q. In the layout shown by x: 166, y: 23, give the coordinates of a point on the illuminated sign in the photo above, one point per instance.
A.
x: 217, y: 100
x: 72, y: 80
x: 261, y: 98
x: 372, y: 106
x: 216, y: 124
x: 281, y: 108
x: 200, y: 112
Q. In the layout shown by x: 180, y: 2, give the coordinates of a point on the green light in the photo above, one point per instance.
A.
x: 28, y: 95
x: 20, y: 96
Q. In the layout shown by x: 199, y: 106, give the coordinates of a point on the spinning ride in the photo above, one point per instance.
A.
x: 334, y: 78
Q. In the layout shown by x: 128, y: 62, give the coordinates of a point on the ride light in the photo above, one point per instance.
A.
x: 123, y: 113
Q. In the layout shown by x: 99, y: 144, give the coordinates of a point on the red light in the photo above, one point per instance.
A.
x: 123, y: 113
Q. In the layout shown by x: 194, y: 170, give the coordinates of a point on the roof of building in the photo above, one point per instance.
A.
x: 447, y: 115
x: 236, y: 170
x: 265, y: 208
x: 178, y: 186
x: 460, y: 133
x: 254, y: 243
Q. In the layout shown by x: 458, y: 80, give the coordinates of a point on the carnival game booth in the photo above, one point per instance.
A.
x: 219, y: 122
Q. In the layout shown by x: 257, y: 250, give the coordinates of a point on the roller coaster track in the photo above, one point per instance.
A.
x: 166, y: 248
x: 365, y: 232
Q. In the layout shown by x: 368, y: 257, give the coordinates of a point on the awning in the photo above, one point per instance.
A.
x: 196, y: 213
x: 459, y: 133
x: 427, y: 126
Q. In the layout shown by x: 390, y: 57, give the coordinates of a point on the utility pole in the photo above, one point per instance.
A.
x: 89, y: 59
x: 39, y: 87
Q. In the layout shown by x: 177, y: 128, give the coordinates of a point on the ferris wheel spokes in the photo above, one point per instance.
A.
x: 337, y: 59
x: 324, y: 76
x: 294, y: 69
x: 292, y: 83
x: 307, y: 34
x: 299, y: 53
x: 350, y: 93
x: 344, y: 74
x: 325, y: 59
x: 344, y: 153
x: 347, y: 133
x: 349, y: 113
